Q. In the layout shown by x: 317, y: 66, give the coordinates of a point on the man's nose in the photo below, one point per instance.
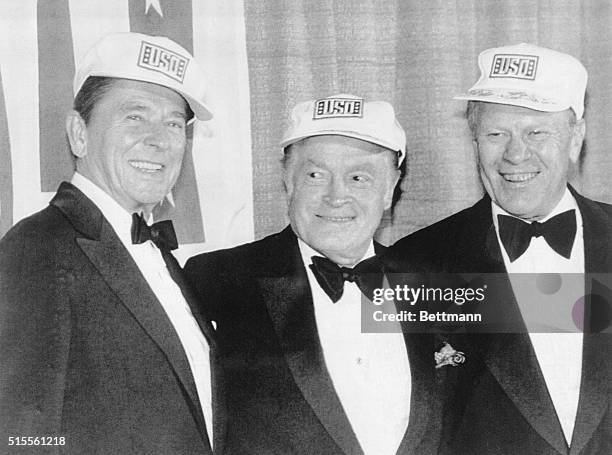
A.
x: 517, y: 150
x: 337, y: 192
x: 157, y: 136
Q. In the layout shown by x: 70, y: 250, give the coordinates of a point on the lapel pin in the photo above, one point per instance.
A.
x: 447, y: 355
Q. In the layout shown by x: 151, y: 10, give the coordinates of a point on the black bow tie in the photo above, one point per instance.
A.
x: 160, y: 233
x: 367, y: 275
x: 559, y: 233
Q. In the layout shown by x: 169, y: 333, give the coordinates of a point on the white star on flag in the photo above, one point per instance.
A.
x: 156, y: 6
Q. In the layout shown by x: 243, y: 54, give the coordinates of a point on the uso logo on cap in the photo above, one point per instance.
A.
x: 515, y: 66
x: 162, y: 60
x: 338, y: 107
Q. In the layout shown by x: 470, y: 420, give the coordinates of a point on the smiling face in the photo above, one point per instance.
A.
x: 524, y: 156
x: 133, y: 144
x: 338, y: 189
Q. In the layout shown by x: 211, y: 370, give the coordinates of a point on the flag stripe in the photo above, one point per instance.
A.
x: 176, y: 24
x: 56, y: 69
x: 6, y: 171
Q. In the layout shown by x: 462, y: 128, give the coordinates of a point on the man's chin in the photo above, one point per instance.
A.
x: 334, y: 247
x: 149, y: 196
x: 530, y: 205
x: 522, y: 209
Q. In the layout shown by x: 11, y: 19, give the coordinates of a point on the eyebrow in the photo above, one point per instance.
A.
x: 314, y: 163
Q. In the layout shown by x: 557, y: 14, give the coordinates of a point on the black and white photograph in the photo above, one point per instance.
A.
x: 327, y: 227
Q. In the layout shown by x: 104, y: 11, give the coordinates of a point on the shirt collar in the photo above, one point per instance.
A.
x: 308, y: 252
x: 119, y: 218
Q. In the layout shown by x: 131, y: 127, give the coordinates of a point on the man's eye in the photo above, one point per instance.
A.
x: 538, y: 133
x: 359, y: 178
x: 494, y: 137
x: 179, y: 125
x: 135, y: 117
x: 315, y: 175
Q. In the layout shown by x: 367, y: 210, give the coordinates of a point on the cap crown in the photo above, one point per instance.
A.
x: 347, y: 115
x: 530, y: 76
x: 154, y: 59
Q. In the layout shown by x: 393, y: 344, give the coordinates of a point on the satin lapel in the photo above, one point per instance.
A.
x: 178, y: 276
x: 509, y: 356
x: 425, y: 397
x: 597, y: 233
x: 117, y: 268
x: 477, y: 249
x: 218, y: 392
x: 597, y: 347
x: 512, y: 361
x: 595, y: 388
x: 289, y: 303
x: 218, y: 404
x: 426, y: 385
x: 122, y: 275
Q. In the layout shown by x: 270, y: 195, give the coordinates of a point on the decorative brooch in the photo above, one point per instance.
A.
x: 447, y: 355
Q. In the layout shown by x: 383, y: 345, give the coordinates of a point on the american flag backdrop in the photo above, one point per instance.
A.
x: 40, y: 41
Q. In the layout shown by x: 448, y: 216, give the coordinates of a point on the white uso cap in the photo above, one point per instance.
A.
x: 347, y: 115
x: 154, y: 59
x: 530, y: 76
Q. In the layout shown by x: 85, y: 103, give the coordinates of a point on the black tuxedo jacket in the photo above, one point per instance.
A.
x: 281, y: 399
x: 87, y: 351
x: 506, y: 405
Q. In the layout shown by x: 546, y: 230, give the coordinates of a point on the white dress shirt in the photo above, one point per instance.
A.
x: 559, y: 354
x: 370, y: 371
x: 149, y: 260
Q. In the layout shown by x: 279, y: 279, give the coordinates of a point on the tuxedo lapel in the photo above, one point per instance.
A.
x: 596, y: 366
x: 594, y: 388
x: 104, y: 249
x: 288, y: 298
x: 177, y: 275
x: 509, y: 356
x: 218, y: 393
x: 477, y: 248
x: 597, y: 234
x: 426, y: 398
x: 512, y: 361
x: 427, y: 385
x: 219, y: 405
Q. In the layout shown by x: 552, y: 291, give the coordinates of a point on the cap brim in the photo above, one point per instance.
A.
x: 200, y: 110
x: 515, y: 98
x: 364, y: 137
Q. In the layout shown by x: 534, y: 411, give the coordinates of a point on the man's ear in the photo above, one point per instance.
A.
x: 77, y: 134
x: 576, y: 140
x: 393, y: 182
x: 287, y: 180
x: 475, y: 147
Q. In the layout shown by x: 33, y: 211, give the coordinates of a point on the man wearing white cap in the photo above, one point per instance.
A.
x: 101, y: 352
x: 301, y: 377
x: 544, y: 393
